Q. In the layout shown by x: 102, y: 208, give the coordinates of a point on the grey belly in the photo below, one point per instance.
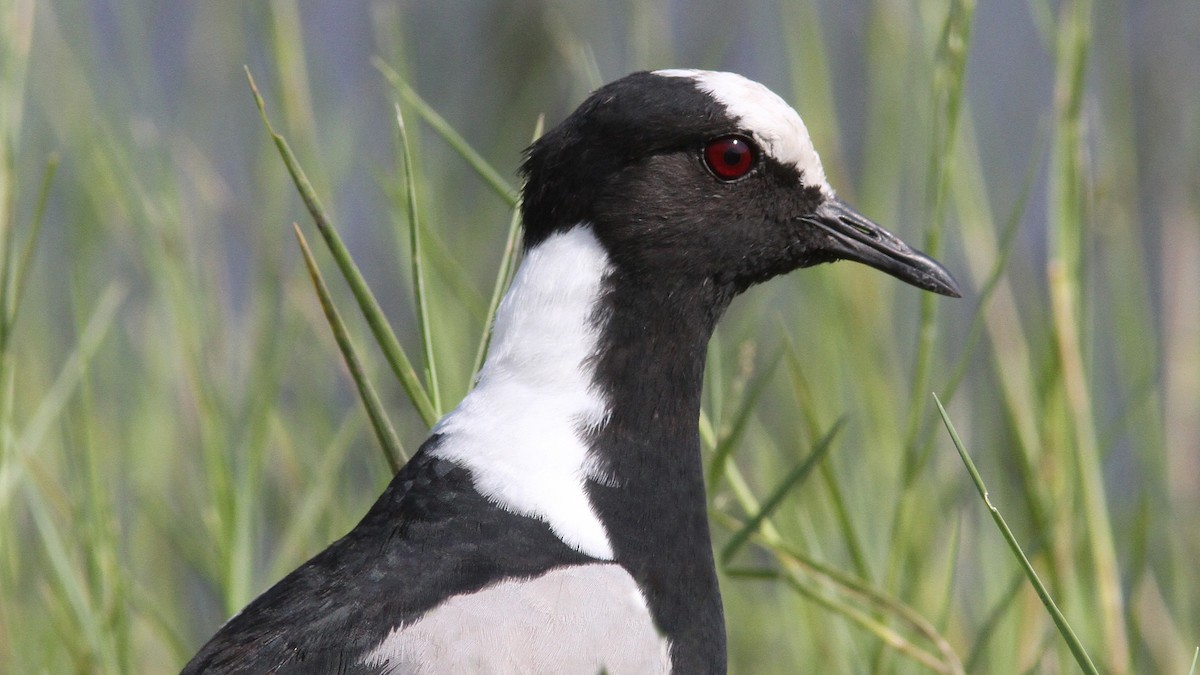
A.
x: 582, y: 619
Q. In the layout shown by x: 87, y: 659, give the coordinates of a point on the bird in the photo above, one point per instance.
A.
x: 555, y: 521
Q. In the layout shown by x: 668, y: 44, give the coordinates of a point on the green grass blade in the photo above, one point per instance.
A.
x: 849, y: 531
x: 393, y: 352
x: 14, y: 272
x: 421, y: 299
x: 1067, y: 223
x: 1064, y: 628
x: 796, y: 563
x: 322, y: 498
x: 775, y: 498
x: 287, y: 47
x: 888, y: 635
x: 893, y: 606
x: 1008, y: 238
x: 69, y: 377
x: 949, y: 77
x: 799, y: 568
x: 388, y: 440
x: 759, y: 573
x: 727, y: 442
x: 987, y: 627
x: 508, y: 267
x: 991, y: 284
x: 460, y: 145
x: 160, y: 622
x: 64, y: 519
x: 950, y: 71
x: 20, y: 273
x: 69, y: 582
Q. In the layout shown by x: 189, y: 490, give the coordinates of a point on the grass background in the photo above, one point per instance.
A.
x: 177, y: 429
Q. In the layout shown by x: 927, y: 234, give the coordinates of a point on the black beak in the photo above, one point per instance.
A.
x: 856, y: 238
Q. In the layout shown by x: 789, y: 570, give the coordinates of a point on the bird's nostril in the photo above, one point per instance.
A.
x: 873, y: 234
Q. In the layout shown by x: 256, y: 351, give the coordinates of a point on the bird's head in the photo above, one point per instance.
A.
x: 702, y: 176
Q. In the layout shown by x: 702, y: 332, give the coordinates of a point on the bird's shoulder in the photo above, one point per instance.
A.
x: 430, y: 536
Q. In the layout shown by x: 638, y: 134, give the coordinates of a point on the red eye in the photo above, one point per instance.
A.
x: 729, y: 157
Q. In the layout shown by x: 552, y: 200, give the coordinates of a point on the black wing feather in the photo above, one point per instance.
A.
x: 429, y: 536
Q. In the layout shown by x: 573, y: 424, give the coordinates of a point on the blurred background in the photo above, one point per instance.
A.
x: 178, y: 430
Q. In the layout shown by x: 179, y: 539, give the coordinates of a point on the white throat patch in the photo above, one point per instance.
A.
x: 521, y: 430
x: 769, y: 119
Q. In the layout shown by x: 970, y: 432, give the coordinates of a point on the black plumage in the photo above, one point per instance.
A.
x: 679, y: 239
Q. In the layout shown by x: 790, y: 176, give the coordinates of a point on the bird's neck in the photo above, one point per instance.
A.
x: 585, y: 417
x: 650, y: 365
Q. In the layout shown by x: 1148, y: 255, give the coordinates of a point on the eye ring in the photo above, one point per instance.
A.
x: 730, y: 157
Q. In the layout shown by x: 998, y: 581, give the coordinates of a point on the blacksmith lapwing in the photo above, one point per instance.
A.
x: 555, y: 521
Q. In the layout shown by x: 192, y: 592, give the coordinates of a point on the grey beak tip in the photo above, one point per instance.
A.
x: 949, y: 292
x: 942, y: 283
